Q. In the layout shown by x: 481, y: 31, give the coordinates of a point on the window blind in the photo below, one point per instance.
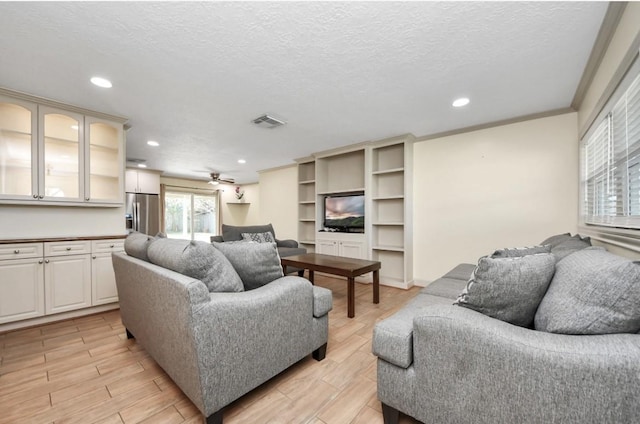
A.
x: 611, y: 161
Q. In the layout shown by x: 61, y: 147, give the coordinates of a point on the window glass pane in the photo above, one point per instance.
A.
x: 177, y: 215
x: 204, y: 217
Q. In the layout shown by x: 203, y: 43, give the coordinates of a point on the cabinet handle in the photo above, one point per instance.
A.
x: 16, y: 251
x: 111, y: 246
x: 35, y: 196
x: 46, y: 261
x: 41, y: 196
x: 94, y: 257
x: 86, y: 198
x: 40, y: 261
x: 68, y: 248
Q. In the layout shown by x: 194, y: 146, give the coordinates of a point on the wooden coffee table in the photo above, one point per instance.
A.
x: 338, y: 265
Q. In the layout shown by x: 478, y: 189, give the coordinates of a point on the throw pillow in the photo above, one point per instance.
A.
x: 509, y: 289
x: 234, y: 233
x: 256, y: 263
x: 516, y: 252
x: 569, y: 246
x: 592, y: 292
x: 259, y: 237
x: 196, y: 259
x: 556, y: 240
x: 136, y: 245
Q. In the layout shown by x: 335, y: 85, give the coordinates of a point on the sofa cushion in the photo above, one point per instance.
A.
x: 509, y: 289
x: 257, y: 264
x: 446, y: 287
x: 393, y: 336
x: 515, y: 252
x: 569, y: 246
x: 136, y: 244
x: 196, y: 259
x: 234, y: 233
x: 265, y: 237
x: 592, y: 292
x: 461, y: 272
x: 553, y: 241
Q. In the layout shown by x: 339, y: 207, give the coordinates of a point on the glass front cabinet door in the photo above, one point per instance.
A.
x: 18, y: 150
x: 56, y: 156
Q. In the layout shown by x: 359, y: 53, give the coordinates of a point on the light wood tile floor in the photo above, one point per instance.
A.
x: 85, y: 371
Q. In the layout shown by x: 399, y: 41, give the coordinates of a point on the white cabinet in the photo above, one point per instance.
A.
x: 103, y: 279
x: 43, y: 278
x: 21, y: 282
x: 142, y: 182
x: 342, y: 244
x: 55, y: 154
x: 67, y: 276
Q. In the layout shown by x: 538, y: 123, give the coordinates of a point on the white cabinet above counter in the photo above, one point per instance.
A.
x: 55, y: 154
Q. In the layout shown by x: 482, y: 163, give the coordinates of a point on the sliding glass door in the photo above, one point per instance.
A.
x: 190, y: 215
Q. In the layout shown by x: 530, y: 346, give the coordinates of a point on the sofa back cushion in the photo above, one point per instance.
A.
x: 257, y: 264
x: 592, y: 292
x: 509, y: 289
x: 136, y: 244
x: 234, y: 233
x: 198, y: 260
x: 515, y: 252
x: 569, y: 246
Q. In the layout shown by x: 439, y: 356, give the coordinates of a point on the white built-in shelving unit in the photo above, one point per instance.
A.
x: 382, y: 170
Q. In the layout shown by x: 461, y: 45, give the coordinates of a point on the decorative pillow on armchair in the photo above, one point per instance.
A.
x: 516, y: 252
x: 259, y: 237
x: 509, y: 289
x: 257, y: 264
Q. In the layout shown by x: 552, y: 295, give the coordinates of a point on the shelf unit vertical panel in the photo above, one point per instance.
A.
x: 307, y: 204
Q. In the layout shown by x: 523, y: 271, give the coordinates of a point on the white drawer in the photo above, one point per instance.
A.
x: 106, y: 246
x: 20, y: 251
x: 64, y: 248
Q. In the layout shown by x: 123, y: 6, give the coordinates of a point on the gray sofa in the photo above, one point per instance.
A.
x: 285, y: 247
x: 218, y: 346
x: 443, y: 363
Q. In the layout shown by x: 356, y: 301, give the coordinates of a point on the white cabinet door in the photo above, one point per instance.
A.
x: 21, y: 289
x: 131, y: 181
x: 327, y: 247
x: 351, y: 249
x: 67, y: 283
x: 103, y: 280
x: 142, y: 182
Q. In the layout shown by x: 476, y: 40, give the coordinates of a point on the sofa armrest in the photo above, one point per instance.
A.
x: 286, y: 243
x: 322, y: 301
x: 469, y: 364
x: 217, y: 239
x: 243, y: 339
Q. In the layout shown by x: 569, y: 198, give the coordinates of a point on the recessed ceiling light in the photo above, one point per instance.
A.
x: 101, y: 82
x: 462, y: 101
x: 153, y: 143
x: 242, y: 161
x: 142, y: 165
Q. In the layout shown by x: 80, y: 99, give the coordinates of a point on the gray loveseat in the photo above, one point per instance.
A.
x: 443, y: 363
x: 285, y: 247
x: 218, y: 346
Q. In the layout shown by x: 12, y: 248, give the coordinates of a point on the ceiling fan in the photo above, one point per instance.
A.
x: 215, y: 179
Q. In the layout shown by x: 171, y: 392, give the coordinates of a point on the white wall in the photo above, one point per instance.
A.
x: 506, y: 186
x: 24, y: 222
x: 235, y: 213
x: 279, y: 200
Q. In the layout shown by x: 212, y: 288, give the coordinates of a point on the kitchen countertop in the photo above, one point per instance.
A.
x: 45, y: 239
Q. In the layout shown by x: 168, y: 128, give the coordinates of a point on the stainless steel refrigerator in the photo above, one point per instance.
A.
x: 143, y: 213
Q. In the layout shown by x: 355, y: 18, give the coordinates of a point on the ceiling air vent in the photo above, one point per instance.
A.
x: 268, y: 121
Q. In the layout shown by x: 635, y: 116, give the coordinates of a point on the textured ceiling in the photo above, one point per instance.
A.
x: 193, y: 75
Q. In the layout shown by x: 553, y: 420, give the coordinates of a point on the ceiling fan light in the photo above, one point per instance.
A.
x: 214, y: 182
x: 462, y: 101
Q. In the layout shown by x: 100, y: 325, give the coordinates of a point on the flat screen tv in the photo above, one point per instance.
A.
x: 344, y: 213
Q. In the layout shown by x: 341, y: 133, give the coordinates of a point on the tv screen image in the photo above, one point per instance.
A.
x: 345, y: 212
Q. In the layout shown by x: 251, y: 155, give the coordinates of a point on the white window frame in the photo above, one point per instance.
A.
x: 605, y: 191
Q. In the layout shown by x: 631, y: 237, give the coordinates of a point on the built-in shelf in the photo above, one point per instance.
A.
x: 238, y: 203
x: 397, y: 197
x: 389, y: 248
x: 307, y: 220
x: 388, y: 171
x: 310, y: 242
x: 396, y: 224
x: 308, y: 202
x: 307, y: 182
x: 350, y: 190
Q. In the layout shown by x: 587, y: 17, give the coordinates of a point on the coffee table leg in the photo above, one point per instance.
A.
x: 351, y: 294
x: 376, y: 286
x: 311, y: 276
